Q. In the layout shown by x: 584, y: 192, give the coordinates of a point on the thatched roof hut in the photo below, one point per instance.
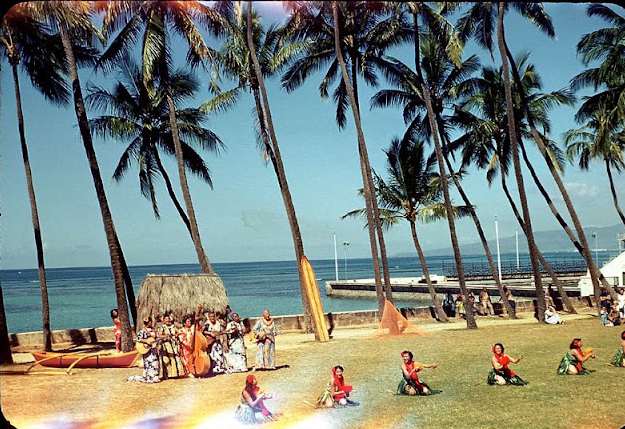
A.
x: 179, y: 295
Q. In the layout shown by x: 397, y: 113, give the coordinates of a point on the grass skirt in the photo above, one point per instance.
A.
x: 617, y: 360
x: 514, y: 381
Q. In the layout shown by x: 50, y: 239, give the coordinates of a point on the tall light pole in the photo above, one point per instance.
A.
x: 336, y: 259
x: 516, y: 233
x: 498, y: 254
x: 345, y: 244
x: 594, y: 235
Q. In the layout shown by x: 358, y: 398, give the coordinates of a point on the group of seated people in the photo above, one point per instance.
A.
x: 215, y: 347
x: 612, y: 312
x: 483, y: 307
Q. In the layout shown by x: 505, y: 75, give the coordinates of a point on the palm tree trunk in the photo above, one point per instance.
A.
x: 130, y: 292
x: 613, y: 191
x: 45, y: 305
x: 171, y: 193
x: 364, y: 161
x: 374, y: 203
x: 529, y: 233
x: 595, y: 273
x: 205, y: 264
x: 265, y: 118
x: 480, y: 232
x: 107, y: 219
x: 556, y: 213
x: 426, y: 273
x: 471, y: 323
x: 5, y: 348
x: 565, y: 298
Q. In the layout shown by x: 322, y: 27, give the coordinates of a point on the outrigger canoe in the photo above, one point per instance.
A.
x: 65, y: 360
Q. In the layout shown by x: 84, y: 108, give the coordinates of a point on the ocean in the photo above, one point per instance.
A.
x: 83, y: 297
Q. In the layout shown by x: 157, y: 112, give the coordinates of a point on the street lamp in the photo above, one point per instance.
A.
x: 345, y: 244
x: 516, y: 233
x: 594, y: 235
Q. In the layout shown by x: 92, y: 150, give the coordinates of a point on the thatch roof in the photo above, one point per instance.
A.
x: 179, y: 295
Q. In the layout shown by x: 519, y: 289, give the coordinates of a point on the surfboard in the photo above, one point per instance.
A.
x: 314, y: 298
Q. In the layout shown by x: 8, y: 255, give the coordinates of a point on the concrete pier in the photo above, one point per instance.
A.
x: 416, y: 288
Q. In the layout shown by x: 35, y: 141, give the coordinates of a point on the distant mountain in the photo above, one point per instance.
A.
x: 547, y: 241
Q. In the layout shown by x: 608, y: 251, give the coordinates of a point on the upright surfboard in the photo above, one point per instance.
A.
x: 314, y: 298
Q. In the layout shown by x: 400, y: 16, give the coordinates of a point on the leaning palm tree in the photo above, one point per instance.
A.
x: 422, y: 14
x: 28, y: 47
x: 158, y: 22
x: 139, y: 117
x: 481, y: 20
x: 599, y: 139
x: 483, y: 117
x: 73, y: 21
x: 249, y: 55
x: 367, y: 30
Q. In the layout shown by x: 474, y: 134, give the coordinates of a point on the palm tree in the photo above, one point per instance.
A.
x: 5, y: 347
x: 413, y: 192
x: 450, y: 83
x: 437, y: 24
x: 73, y: 21
x: 486, y: 142
x: 28, y: 47
x: 249, y: 55
x: 367, y: 29
x: 479, y: 20
x: 140, y: 117
x: 157, y: 21
x: 599, y: 139
x: 605, y: 45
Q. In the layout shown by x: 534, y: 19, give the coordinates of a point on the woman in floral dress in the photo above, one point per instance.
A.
x: 212, y: 331
x: 172, y: 363
x: 237, y: 356
x: 265, y: 332
x: 150, y: 359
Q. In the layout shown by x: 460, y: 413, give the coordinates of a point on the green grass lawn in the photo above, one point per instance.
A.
x: 467, y: 401
x: 372, y: 366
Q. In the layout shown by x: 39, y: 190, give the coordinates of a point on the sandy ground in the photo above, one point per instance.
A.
x: 101, y: 398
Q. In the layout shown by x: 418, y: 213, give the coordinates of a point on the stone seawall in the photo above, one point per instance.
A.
x: 287, y: 323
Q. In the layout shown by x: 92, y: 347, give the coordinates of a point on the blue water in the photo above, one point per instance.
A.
x: 82, y: 297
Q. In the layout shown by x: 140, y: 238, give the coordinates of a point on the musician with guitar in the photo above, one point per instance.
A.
x: 146, y: 345
x: 213, y: 332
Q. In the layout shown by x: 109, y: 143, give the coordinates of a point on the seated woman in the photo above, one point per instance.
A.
x: 252, y: 408
x: 572, y: 362
x: 614, y: 316
x: 410, y: 383
x: 460, y: 312
x: 337, y: 392
x: 619, y: 357
x: 500, y: 373
x: 552, y: 317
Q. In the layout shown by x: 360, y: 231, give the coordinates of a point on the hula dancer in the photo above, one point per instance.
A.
x: 572, y: 362
x: 337, y: 392
x: 619, y: 357
x: 501, y: 374
x: 252, y: 408
x: 410, y: 383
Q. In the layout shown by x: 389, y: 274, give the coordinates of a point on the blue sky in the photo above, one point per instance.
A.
x: 243, y: 217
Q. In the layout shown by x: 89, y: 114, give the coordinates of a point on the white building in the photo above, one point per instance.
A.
x: 613, y: 271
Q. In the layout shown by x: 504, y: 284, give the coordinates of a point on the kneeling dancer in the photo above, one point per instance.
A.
x: 501, y: 374
x: 410, y: 383
x: 619, y: 357
x: 337, y: 392
x: 252, y: 408
x: 572, y: 362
